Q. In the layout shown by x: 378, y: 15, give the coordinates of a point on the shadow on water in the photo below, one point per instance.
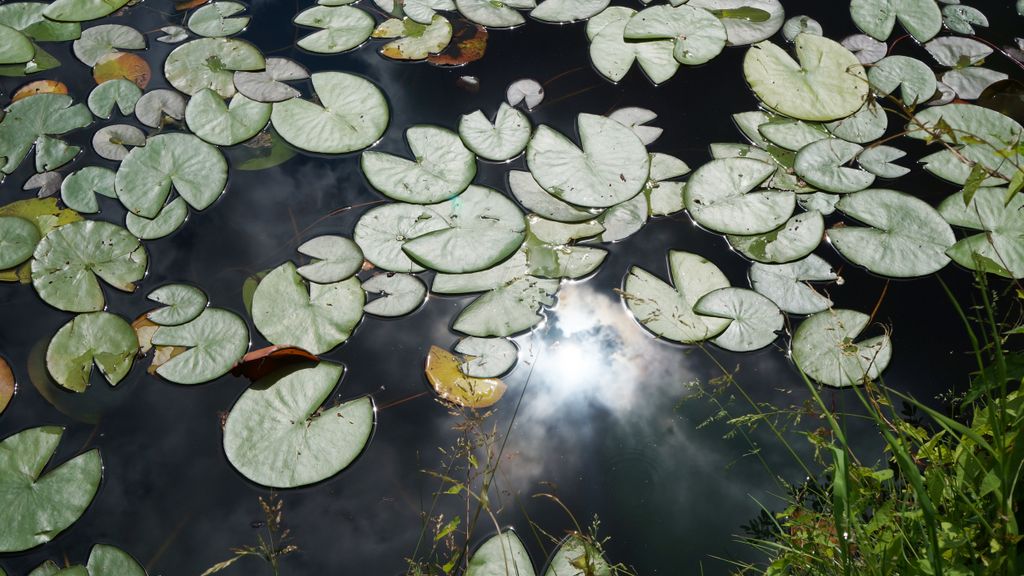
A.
x: 599, y: 421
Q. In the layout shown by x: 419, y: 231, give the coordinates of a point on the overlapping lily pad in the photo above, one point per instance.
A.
x: 720, y: 196
x: 399, y: 294
x: 37, y: 120
x: 443, y: 167
x: 788, y: 284
x: 99, y: 338
x: 999, y: 246
x: 214, y: 342
x: 222, y: 124
x: 211, y: 63
x: 341, y: 28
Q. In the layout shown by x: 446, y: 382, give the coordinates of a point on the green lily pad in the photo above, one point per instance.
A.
x: 577, y: 557
x: 550, y: 253
x: 821, y: 164
x: 907, y: 238
x: 980, y: 135
x: 613, y: 56
x: 824, y: 348
x: 952, y: 166
x: 400, y: 294
x: 624, y: 219
x: 667, y: 311
x: 112, y: 142
x: 269, y: 85
x: 123, y: 93
x: 800, y: 25
x: 787, y: 284
x: 68, y: 260
x: 211, y: 63
x: 755, y: 320
x: 698, y: 36
x: 169, y: 219
x: 536, y: 199
x: 315, y: 318
x: 105, y: 560
x: 719, y: 197
x: 279, y: 434
x: 866, y: 125
x: 336, y: 259
x: 914, y: 78
x: 182, y: 303
x: 383, y: 231
x: 503, y: 140
x: 794, y: 240
x: 18, y: 240
x: 827, y: 84
x: 28, y: 18
x: 98, y: 41
x: 223, y: 124
x: 81, y: 10
x: 35, y: 120
x: 443, y: 167
x: 36, y: 507
x: 740, y: 27
x: 476, y: 230
x: 218, y: 19
x: 792, y: 134
x: 494, y: 13
x: 922, y: 18
x: 487, y: 357
x: 962, y: 19
x: 500, y: 555
x: 612, y: 166
x: 878, y: 160
x: 414, y: 40
x: 15, y: 47
x: 565, y: 11
x: 342, y: 28
x: 40, y: 62
x: 352, y: 114
x: 957, y: 52
x: 215, y: 341
x: 998, y: 248
x: 99, y: 338
x: 196, y: 170
x: 156, y: 105
x: 969, y: 83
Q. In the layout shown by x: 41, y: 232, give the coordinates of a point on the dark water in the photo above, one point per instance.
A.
x: 599, y: 422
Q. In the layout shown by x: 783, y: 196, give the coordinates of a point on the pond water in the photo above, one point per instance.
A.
x: 595, y: 399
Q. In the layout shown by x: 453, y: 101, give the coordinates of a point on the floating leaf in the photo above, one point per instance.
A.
x: 494, y: 13
x: 8, y: 385
x: 18, y: 240
x: 316, y: 318
x: 172, y: 35
x: 792, y: 134
x: 415, y: 41
x: 279, y: 434
x: 969, y: 83
x: 962, y: 19
x: 624, y: 219
x: 577, y: 557
x: 218, y: 19
x: 215, y: 341
x: 124, y: 93
x: 745, y: 21
x: 536, y: 199
x: 107, y: 560
x: 914, y: 78
x: 828, y: 83
x: 111, y: 142
x: 800, y: 25
x: 382, y: 231
x: 565, y: 11
x: 182, y: 303
x: 865, y: 48
x: 526, y: 90
x: 15, y: 47
x: 48, y: 183
x: 336, y: 258
x: 787, y: 284
x: 269, y: 85
x: 550, y: 253
x: 36, y: 507
x: 155, y: 105
x: 698, y: 35
x: 719, y: 196
x: 824, y: 348
x: 98, y: 337
x: 468, y: 44
x: 956, y: 52
x: 169, y: 219
x: 39, y: 87
x: 636, y: 119
x: 876, y: 18
x: 503, y: 140
x: 400, y: 294
x: 211, y: 63
x: 352, y: 114
x: 612, y: 166
x: 196, y: 170
x: 223, y: 124
x: 453, y: 386
x: 28, y: 18
x: 794, y: 240
x: 443, y: 167
x: 122, y: 65
x: 36, y: 120
x: 981, y: 135
x: 81, y: 10
x: 68, y: 260
x: 667, y: 311
x: 821, y: 164
x: 101, y: 40
x: 879, y: 161
x: 755, y: 320
x: 341, y: 28
x: 40, y: 62
x: 997, y: 248
x: 613, y: 56
x: 501, y: 555
x: 487, y: 358
x: 78, y: 191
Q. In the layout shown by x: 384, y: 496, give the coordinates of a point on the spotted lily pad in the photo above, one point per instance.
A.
x: 182, y: 303
x: 211, y: 63
x: 787, y: 284
x: 999, y: 246
x: 794, y: 240
x: 822, y: 164
x: 68, y: 260
x: 720, y: 196
x: 824, y: 348
x: 36, y: 507
x: 352, y: 114
x: 501, y: 555
x: 341, y: 28
x: 214, y: 342
x: 196, y: 170
x: 99, y: 338
x: 400, y: 294
x: 336, y: 259
x: 755, y: 320
x: 415, y: 41
x: 315, y: 318
x: 36, y: 120
x: 487, y: 357
x: 279, y: 433
x: 503, y: 140
x: 443, y: 167
x: 222, y: 124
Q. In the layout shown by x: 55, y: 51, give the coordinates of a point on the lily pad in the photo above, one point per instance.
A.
x: 612, y: 166
x: 741, y: 25
x: 792, y: 134
x: 914, y: 78
x: 182, y: 303
x: 99, y: 338
x: 414, y: 40
x: 980, y: 134
x: 352, y: 114
x: 577, y: 557
x: 18, y: 240
x: 969, y: 83
x: 697, y: 34
x: 667, y: 311
x: 279, y: 434
x: 218, y: 19
x: 755, y: 320
x: 451, y: 385
x: 269, y: 85
x: 196, y: 170
x: 120, y: 92
x: 28, y: 18
x: 105, y: 560
x: 922, y: 18
x: 827, y: 84
x: 336, y: 258
x: 112, y: 142
x: 400, y: 294
x: 503, y: 140
x: 625, y: 219
x: 501, y: 555
x: 565, y: 11
x: 800, y: 25
x: 536, y: 199
x: 998, y: 248
x: 962, y: 19
x: 169, y: 219
x: 69, y: 259
x: 443, y: 167
x: 794, y: 240
x: 865, y: 48
x: 36, y: 507
x: 341, y: 28
x: 15, y: 47
x: 879, y: 161
x: 315, y: 318
x: 215, y: 341
x: 223, y: 124
x: 719, y: 196
x: 154, y: 105
x: 613, y: 56
x: 81, y: 10
x: 787, y: 284
x: 824, y: 348
x: 494, y: 13
x: 98, y: 41
x: 821, y: 164
x: 211, y: 63
x: 525, y: 90
x: 382, y: 232
x: 487, y: 357
x: 36, y: 120
x: 956, y: 52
